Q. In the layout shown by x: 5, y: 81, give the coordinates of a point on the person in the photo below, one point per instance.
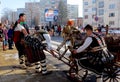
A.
x: 94, y: 45
x: 5, y: 42
x: 20, y: 30
x: 56, y: 29
x: 90, y: 41
x: 99, y: 28
x: 53, y: 29
x: 10, y: 37
x: 1, y: 33
x: 95, y: 48
x: 38, y: 56
x: 47, y: 27
x: 59, y: 30
x: 107, y: 29
x: 45, y: 36
x: 67, y: 32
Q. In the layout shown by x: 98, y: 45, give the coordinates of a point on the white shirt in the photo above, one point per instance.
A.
x: 86, y: 44
x: 19, y: 28
x: 48, y: 40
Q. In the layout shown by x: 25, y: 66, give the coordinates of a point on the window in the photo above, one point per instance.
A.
x: 52, y: 2
x: 101, y: 12
x: 111, y: 14
x: 101, y: 20
x: 111, y: 22
x: 101, y: 4
x: 86, y: 16
x: 112, y: 6
x: 94, y: 9
x: 86, y: 10
x: 93, y: 1
x: 85, y: 3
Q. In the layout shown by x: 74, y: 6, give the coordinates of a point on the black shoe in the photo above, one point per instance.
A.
x: 29, y: 64
x: 21, y: 61
x: 48, y: 73
x: 22, y: 66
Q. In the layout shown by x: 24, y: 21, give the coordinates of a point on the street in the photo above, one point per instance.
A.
x: 9, y: 71
x: 9, y: 59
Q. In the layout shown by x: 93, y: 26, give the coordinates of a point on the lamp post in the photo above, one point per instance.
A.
x: 96, y: 17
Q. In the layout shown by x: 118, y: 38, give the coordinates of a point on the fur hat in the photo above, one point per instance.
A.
x: 70, y: 22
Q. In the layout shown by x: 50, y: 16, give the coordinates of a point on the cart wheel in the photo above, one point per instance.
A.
x: 73, y: 68
x: 113, y: 75
x: 83, y: 73
x: 77, y: 73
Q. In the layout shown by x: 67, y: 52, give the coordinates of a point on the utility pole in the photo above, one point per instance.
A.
x: 96, y: 17
x: 118, y: 14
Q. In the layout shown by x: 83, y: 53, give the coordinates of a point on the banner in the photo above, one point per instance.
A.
x: 51, y: 15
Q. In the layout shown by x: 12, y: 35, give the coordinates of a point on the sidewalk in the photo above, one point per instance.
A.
x: 9, y: 59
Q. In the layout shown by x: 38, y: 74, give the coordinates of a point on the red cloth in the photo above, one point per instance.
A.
x: 16, y: 36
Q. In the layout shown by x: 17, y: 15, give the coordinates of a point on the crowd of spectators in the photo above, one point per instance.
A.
x: 6, y: 36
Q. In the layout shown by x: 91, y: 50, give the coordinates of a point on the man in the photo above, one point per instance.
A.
x: 20, y: 31
x: 67, y: 33
x: 90, y: 41
x: 10, y: 36
x: 98, y: 55
x: 107, y: 29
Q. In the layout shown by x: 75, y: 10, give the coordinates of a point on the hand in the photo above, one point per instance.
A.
x: 74, y: 51
x: 52, y: 52
x: 22, y: 41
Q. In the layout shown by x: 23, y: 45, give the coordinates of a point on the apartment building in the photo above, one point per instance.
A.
x: 103, y: 12
x: 32, y: 11
x: 48, y: 4
x: 72, y: 11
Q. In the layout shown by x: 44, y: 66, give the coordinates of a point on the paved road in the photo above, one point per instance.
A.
x: 9, y: 59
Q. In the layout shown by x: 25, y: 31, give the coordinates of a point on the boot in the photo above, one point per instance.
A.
x: 44, y: 68
x: 38, y: 67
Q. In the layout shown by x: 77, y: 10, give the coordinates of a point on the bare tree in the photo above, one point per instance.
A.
x: 6, y: 14
x: 36, y: 19
x: 62, y: 17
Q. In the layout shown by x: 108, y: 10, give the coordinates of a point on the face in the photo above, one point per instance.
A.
x: 23, y: 18
x: 1, y: 26
x: 88, y: 32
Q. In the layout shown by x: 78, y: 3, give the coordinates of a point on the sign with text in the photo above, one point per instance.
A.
x: 51, y: 15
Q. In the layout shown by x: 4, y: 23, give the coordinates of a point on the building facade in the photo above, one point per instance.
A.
x: 32, y: 11
x: 48, y: 4
x: 103, y: 12
x: 72, y: 11
x: 20, y: 10
x: 80, y: 22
